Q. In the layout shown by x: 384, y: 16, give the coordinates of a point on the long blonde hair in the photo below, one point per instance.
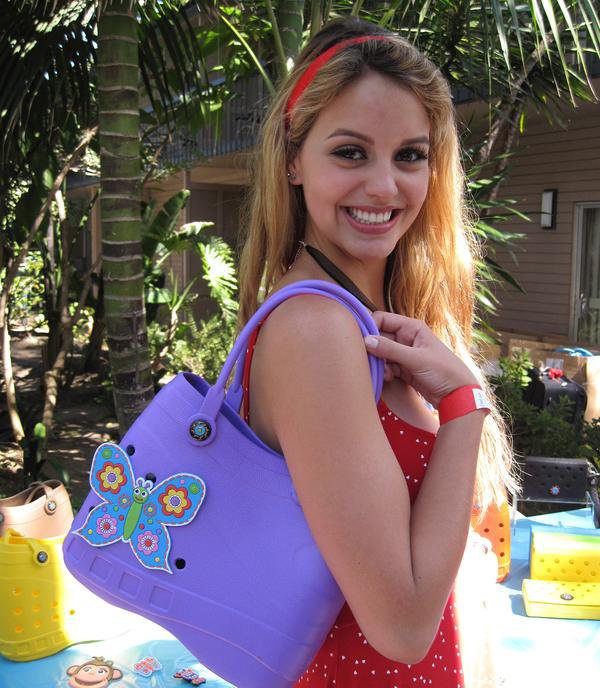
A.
x: 433, y: 273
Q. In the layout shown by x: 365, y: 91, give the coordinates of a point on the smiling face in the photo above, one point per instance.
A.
x: 140, y: 495
x: 364, y: 171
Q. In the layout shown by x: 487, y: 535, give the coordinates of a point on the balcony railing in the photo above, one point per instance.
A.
x: 240, y: 121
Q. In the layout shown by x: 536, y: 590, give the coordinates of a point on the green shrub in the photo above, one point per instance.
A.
x: 535, y: 431
x: 203, y: 348
x: 26, y: 300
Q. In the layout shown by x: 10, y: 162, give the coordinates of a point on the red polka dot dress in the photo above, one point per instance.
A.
x: 346, y: 660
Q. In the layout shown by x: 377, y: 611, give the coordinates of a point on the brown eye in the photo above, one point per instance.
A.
x: 412, y: 155
x: 349, y: 153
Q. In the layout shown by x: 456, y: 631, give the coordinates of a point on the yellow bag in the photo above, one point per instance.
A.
x: 561, y: 599
x: 565, y: 557
x: 32, y: 597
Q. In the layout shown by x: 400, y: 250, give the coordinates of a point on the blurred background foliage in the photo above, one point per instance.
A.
x: 512, y: 57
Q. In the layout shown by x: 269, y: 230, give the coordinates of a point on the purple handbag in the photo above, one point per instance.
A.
x: 242, y: 585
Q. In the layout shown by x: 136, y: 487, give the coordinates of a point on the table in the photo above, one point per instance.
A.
x: 537, y: 652
x: 532, y: 652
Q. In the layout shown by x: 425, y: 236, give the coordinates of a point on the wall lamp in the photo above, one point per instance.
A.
x: 548, y: 214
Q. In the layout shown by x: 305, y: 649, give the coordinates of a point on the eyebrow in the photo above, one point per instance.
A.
x: 367, y: 139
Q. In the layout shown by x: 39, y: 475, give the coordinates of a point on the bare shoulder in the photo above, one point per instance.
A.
x: 311, y: 342
x: 312, y: 318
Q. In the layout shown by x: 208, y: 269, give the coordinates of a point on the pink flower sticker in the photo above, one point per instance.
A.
x: 106, y: 526
x: 147, y: 543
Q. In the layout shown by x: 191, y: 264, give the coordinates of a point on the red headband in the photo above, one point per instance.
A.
x: 310, y: 73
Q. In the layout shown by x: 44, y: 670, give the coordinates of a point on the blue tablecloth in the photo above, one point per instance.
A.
x: 533, y: 652
x: 538, y: 652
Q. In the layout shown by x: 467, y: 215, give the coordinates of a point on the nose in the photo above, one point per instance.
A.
x: 381, y: 181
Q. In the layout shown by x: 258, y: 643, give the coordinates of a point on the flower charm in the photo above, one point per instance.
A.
x: 200, y: 430
x: 554, y: 490
x: 147, y: 543
x: 106, y: 526
x: 111, y: 478
x: 175, y: 501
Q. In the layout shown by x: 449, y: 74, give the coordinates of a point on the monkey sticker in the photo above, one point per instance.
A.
x: 95, y: 673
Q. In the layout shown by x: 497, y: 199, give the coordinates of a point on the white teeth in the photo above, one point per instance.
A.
x: 370, y: 218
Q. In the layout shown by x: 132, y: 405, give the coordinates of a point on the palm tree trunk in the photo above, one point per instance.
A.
x: 290, y: 17
x: 118, y: 97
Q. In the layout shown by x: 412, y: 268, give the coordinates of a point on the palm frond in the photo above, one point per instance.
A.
x: 218, y: 264
x: 48, y: 61
x: 47, y: 52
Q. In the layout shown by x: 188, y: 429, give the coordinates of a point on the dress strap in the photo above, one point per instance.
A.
x: 246, y: 376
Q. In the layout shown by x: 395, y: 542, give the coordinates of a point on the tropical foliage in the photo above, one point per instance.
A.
x: 74, y: 65
x: 117, y: 79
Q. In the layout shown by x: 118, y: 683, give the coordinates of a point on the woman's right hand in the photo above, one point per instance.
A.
x: 418, y: 357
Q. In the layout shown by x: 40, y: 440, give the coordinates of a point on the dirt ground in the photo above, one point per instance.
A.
x: 83, y: 419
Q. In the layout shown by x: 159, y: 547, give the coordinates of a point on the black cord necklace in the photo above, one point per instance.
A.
x: 342, y: 279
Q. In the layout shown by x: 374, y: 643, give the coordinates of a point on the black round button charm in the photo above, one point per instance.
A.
x: 42, y: 557
x: 200, y: 430
x: 566, y: 596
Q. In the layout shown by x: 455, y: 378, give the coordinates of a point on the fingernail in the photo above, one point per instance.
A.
x: 372, y: 342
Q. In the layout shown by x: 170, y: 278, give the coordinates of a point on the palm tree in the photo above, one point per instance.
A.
x: 120, y: 210
x: 49, y: 64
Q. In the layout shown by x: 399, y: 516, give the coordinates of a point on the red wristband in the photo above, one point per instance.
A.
x: 462, y: 401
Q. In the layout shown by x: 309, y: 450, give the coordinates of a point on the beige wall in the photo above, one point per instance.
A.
x: 569, y: 161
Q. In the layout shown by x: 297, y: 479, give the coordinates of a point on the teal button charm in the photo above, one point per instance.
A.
x: 200, y: 430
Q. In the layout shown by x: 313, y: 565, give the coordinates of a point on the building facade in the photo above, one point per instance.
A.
x: 557, y: 265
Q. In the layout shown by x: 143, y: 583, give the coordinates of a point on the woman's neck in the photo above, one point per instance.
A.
x: 368, y: 278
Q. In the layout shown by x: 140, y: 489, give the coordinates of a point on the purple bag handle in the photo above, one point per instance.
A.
x: 216, y: 394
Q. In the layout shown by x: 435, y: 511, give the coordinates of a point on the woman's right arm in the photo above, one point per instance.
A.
x: 395, y: 565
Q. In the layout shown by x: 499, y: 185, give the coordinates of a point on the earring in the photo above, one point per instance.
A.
x: 291, y: 176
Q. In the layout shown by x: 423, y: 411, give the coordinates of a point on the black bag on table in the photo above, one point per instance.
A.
x: 548, y: 385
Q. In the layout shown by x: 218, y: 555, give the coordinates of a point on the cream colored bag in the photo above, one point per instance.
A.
x: 474, y: 595
x: 43, y: 510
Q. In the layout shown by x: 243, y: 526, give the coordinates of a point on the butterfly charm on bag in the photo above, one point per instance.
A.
x: 137, y: 511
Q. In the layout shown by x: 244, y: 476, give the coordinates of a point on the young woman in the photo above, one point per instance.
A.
x: 358, y: 171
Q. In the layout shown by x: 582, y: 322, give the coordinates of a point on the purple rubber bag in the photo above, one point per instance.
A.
x: 247, y: 591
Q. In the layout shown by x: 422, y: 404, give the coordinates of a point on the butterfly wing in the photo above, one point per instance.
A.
x: 173, y: 502
x: 111, y: 474
x: 111, y: 478
x: 103, y: 525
